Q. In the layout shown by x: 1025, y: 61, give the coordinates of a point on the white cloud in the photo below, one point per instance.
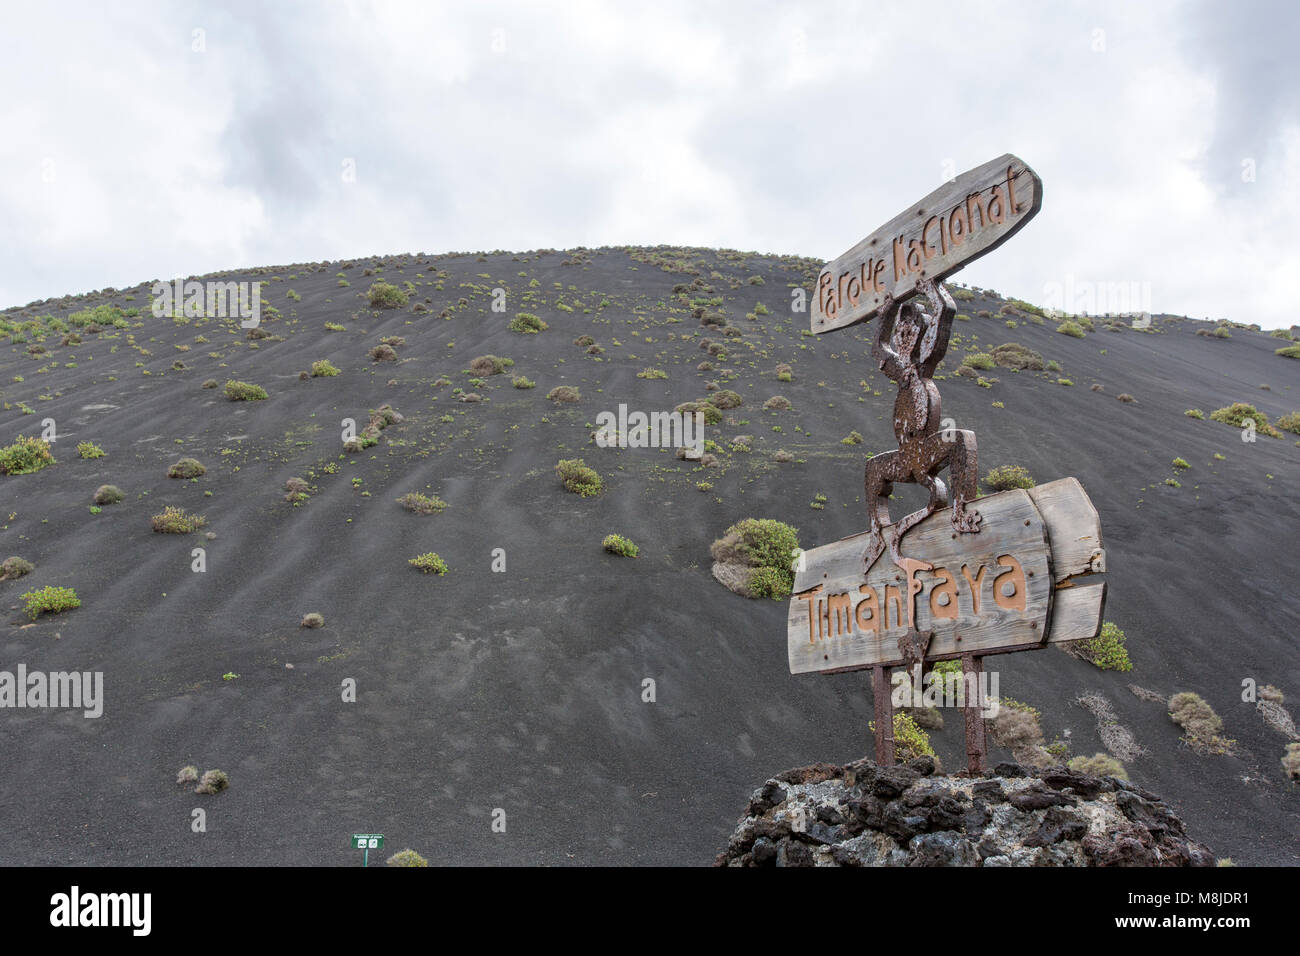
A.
x: 492, y: 125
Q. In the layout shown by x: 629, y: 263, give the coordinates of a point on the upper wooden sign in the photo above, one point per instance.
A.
x: 1032, y: 575
x: 954, y: 225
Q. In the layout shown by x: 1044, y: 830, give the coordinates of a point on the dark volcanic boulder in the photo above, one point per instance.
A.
x: 864, y: 815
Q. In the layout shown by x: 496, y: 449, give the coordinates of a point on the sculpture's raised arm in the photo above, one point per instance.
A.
x: 942, y: 311
x: 886, y: 358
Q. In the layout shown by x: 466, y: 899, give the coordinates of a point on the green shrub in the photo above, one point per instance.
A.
x: 764, y: 545
x: 1195, y: 413
x: 578, y: 478
x: 108, y: 495
x: 1005, y: 477
x: 777, y: 403
x: 522, y: 381
x: 1106, y: 650
x: 979, y: 360
x: 429, y: 563
x: 188, y: 775
x: 1072, y: 329
x: 50, y: 600
x: 1291, y: 352
x: 490, y: 365
x: 244, y: 391
x: 652, y: 373
x: 25, y: 456
x: 383, y: 353
x: 323, y: 369
x: 1015, y: 355
x: 383, y: 295
x: 1238, y: 413
x: 564, y: 394
x: 852, y: 438
x: 15, y: 567
x: 726, y: 399
x: 1202, y: 727
x: 212, y: 781
x: 312, y: 620
x: 174, y: 520
x: 186, y: 468
x: 1099, y: 765
x: 525, y: 323
x: 712, y: 414
x: 422, y: 504
x: 617, y: 544
x: 1181, y: 463
x: 88, y: 449
x: 1289, y: 422
x: 407, y: 857
x: 910, y: 740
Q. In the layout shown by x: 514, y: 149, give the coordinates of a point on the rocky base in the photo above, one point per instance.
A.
x: 865, y: 815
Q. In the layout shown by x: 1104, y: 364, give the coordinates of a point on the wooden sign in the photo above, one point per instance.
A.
x: 1033, y: 575
x: 954, y: 225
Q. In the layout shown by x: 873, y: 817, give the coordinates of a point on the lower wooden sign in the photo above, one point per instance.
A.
x: 1032, y: 575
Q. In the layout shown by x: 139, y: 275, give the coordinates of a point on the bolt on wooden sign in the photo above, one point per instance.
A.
x: 1013, y: 571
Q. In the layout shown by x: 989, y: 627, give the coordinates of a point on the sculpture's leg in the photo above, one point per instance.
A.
x: 964, y: 472
x: 877, y: 488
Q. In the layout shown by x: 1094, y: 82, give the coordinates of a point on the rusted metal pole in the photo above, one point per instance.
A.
x: 972, y: 664
x: 884, y: 716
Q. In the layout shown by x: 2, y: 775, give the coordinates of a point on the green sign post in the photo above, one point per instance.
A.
x: 367, y: 842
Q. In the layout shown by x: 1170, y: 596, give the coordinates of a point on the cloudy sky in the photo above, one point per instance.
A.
x: 151, y: 140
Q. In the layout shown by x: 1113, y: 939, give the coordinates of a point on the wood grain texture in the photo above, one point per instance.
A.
x: 835, y: 604
x: 956, y: 224
x: 1059, y: 550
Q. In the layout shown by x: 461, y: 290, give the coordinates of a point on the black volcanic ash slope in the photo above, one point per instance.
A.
x: 522, y: 690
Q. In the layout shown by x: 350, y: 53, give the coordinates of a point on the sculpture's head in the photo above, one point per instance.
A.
x: 908, y: 329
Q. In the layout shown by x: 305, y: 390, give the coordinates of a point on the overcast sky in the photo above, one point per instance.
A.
x: 153, y: 140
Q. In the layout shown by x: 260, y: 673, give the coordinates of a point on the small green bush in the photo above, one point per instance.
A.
x: 429, y: 563
x: 1289, y: 422
x: 490, y: 365
x: 312, y: 620
x: 15, y: 567
x: 564, y: 394
x: 525, y: 323
x: 712, y: 414
x: 50, y: 600
x: 108, y: 495
x: 1291, y: 352
x: 186, y: 468
x: 910, y: 740
x: 323, y: 369
x: 777, y: 403
x: 25, y: 456
x: 1181, y: 463
x: 852, y: 438
x: 407, y: 857
x: 522, y: 381
x: 578, y: 478
x: 244, y: 391
x: 1202, y: 727
x: 212, y: 781
x: 617, y: 544
x: 1099, y: 765
x: 422, y: 504
x: 174, y: 520
x: 1238, y: 413
x: 88, y: 449
x: 1072, y: 329
x: 384, y: 295
x: 1195, y: 413
x: 1006, y: 477
x: 652, y: 373
x: 1106, y: 650
x: 979, y: 360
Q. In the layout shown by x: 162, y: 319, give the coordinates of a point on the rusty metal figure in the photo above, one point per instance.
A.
x: 908, y: 347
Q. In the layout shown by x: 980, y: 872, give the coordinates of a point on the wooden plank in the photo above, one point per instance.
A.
x: 953, y: 226
x: 1073, y: 528
x: 842, y: 617
x: 1077, y: 610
